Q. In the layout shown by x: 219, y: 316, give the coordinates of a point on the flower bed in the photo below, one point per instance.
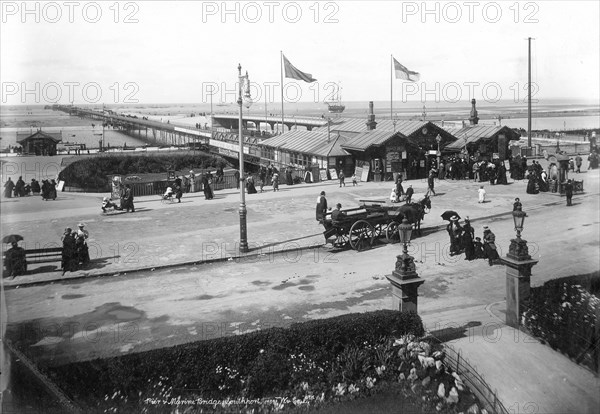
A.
x: 564, y: 315
x: 94, y: 171
x: 308, y: 365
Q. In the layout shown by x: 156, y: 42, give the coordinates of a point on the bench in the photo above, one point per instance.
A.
x: 46, y: 255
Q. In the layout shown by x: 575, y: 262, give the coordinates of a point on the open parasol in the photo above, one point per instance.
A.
x: 12, y: 238
x: 449, y: 213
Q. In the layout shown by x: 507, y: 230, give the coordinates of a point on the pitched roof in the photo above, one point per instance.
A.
x: 309, y: 142
x: 54, y: 136
x: 472, y: 134
x: 370, y: 138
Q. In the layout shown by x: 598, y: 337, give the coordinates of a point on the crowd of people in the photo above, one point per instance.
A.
x: 463, y: 240
x: 22, y: 189
x: 75, y: 252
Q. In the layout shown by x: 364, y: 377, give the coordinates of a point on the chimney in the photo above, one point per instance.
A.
x: 473, y: 119
x: 371, y: 124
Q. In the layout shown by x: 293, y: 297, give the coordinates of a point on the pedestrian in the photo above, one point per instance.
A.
x: 578, y: 162
x: 178, y: 192
x: 489, y: 245
x: 128, y: 197
x: 454, y: 230
x: 191, y: 184
x: 8, y: 188
x: 275, y: 181
x: 467, y: 240
x: 20, y: 187
x: 430, y: 183
x: 342, y: 177
x: 81, y: 247
x: 393, y: 196
x: 250, y: 188
x: 409, y: 193
x: 481, y: 192
x: 69, y: 251
x: 517, y: 204
x: 399, y: 189
x: 236, y: 174
x: 354, y: 183
x: 478, y: 247
x: 15, y: 262
x: 569, y: 192
x: 321, y: 208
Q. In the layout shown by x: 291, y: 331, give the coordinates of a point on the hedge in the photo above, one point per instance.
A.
x: 564, y: 313
x: 255, y: 365
x: 93, y: 172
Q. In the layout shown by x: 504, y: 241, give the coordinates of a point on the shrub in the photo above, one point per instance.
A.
x: 565, y: 316
x: 93, y: 172
x: 259, y: 364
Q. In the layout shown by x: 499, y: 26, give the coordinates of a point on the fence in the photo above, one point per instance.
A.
x: 472, y: 379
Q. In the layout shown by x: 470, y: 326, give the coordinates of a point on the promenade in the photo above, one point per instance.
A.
x: 155, y: 260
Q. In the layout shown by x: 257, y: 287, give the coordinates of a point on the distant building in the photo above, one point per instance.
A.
x: 39, y: 143
x: 484, y: 142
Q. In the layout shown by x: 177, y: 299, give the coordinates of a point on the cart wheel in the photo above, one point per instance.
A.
x: 379, y: 230
x: 341, y: 241
x: 391, y: 233
x: 361, y: 235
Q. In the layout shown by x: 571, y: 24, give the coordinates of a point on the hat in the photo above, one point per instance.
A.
x: 454, y: 218
x: 105, y: 199
x: 467, y: 218
x: 81, y: 225
x: 322, y: 192
x: 338, y: 205
x: 486, y: 228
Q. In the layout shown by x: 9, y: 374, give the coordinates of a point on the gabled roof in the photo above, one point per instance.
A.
x: 472, y: 134
x: 363, y: 141
x: 56, y: 137
x: 309, y: 142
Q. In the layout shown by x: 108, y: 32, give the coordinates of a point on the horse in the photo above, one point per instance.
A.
x: 415, y: 212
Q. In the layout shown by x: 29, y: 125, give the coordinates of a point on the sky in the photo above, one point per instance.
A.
x: 175, y: 52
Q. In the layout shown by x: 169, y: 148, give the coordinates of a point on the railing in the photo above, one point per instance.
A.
x: 471, y: 378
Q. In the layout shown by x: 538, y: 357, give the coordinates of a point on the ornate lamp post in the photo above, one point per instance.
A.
x: 404, y: 279
x: 243, y: 212
x: 438, y: 139
x: 518, y: 264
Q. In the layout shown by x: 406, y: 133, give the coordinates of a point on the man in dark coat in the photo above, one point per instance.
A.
x: 20, y: 187
x: 409, y: 193
x: 128, y: 197
x: 569, y: 192
x: 69, y: 252
x: 467, y: 240
x: 321, y: 208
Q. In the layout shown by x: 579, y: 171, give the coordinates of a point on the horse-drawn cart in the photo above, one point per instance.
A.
x: 360, y: 227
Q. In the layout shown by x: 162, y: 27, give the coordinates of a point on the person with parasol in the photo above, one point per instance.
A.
x: 15, y: 262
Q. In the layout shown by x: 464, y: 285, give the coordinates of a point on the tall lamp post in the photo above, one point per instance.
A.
x: 242, y: 80
x: 518, y: 264
x: 438, y: 139
x: 404, y: 279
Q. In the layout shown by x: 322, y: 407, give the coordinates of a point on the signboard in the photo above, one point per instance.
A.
x: 422, y: 163
x: 502, y: 146
x: 60, y: 186
x: 393, y: 156
x: 333, y: 174
x: 365, y: 173
x: 358, y: 173
x: 404, y: 155
x: 507, y: 165
x: 323, y: 175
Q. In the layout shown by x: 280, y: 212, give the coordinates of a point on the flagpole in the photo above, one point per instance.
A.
x: 391, y: 87
x: 281, y: 70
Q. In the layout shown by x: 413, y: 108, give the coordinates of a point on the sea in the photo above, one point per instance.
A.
x: 553, y: 115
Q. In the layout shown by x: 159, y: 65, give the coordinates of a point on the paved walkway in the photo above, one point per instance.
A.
x: 522, y: 370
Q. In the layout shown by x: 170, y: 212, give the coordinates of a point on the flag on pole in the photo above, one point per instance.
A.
x: 292, y: 72
x: 402, y: 72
